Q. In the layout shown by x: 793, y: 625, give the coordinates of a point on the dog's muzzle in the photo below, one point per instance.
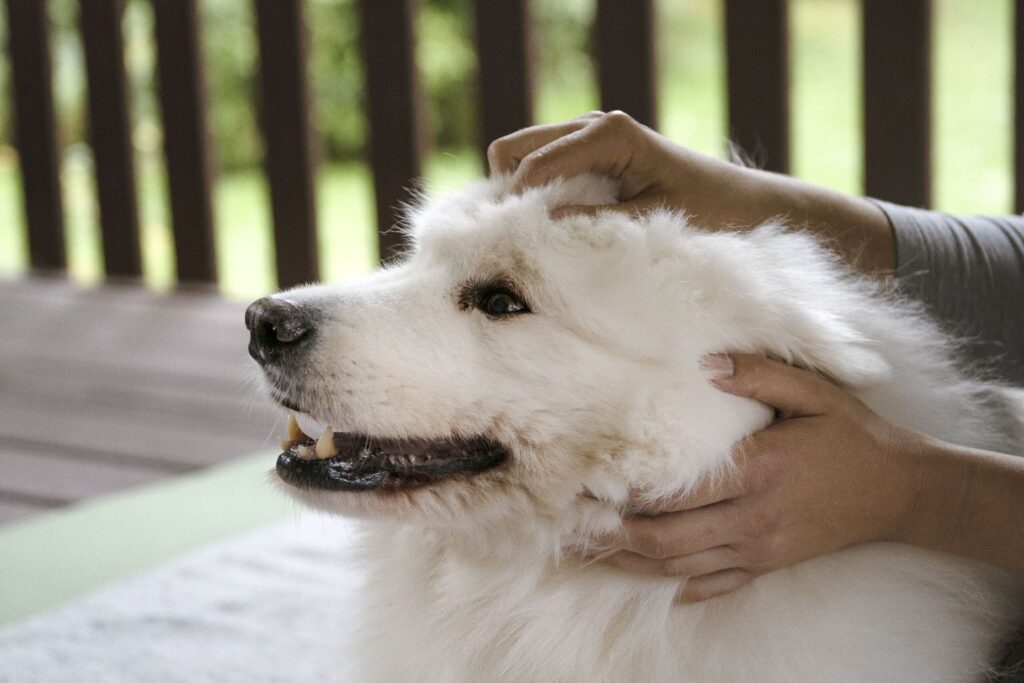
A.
x: 277, y: 328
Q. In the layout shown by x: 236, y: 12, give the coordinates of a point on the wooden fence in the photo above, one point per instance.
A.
x: 897, y: 92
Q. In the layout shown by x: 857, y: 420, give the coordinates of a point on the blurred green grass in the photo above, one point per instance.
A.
x: 972, y: 132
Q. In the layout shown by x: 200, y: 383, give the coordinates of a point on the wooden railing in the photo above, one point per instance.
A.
x: 897, y: 92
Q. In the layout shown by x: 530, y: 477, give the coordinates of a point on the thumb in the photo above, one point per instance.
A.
x: 632, y: 207
x: 793, y: 392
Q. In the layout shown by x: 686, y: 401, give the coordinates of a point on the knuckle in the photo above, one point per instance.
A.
x: 529, y: 164
x: 618, y: 119
x: 651, y: 543
x: 670, y: 567
x: 698, y: 591
x: 497, y: 151
x: 768, y: 525
x: 765, y: 552
x: 763, y: 475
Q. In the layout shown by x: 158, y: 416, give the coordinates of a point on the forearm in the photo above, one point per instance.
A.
x: 967, y: 502
x: 854, y: 227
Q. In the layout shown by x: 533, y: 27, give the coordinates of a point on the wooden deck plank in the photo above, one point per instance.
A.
x: 108, y: 388
x: 41, y: 379
x: 12, y: 511
x: 68, y: 479
x: 191, y: 441
x: 135, y: 380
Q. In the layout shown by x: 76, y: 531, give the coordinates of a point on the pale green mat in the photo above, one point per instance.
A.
x: 50, y: 559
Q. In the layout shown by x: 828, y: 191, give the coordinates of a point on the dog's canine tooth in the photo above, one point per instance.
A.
x: 286, y: 444
x: 294, y: 430
x: 325, y: 444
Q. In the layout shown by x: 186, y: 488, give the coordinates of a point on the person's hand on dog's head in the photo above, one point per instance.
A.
x: 652, y: 172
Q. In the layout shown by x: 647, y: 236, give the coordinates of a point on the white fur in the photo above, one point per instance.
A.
x: 600, y: 389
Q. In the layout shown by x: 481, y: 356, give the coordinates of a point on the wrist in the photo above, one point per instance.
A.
x: 936, y: 480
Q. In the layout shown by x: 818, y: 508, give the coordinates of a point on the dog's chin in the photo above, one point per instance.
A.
x: 450, y: 502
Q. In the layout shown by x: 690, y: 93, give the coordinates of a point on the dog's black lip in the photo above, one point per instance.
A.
x: 366, y: 463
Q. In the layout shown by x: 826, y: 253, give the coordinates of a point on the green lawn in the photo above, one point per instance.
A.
x: 972, y: 133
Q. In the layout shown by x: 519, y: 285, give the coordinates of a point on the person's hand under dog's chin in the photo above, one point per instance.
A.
x: 829, y: 473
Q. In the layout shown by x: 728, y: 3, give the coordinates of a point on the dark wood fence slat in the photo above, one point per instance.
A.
x: 1018, y: 117
x: 897, y: 100
x: 186, y: 142
x: 624, y: 33
x: 36, y: 131
x: 286, y: 116
x: 394, y: 108
x: 505, y: 78
x: 756, y: 38
x: 110, y: 135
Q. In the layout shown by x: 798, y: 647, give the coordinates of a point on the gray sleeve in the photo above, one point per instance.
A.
x: 969, y: 273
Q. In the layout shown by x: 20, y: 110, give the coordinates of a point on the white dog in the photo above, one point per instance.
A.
x: 512, y: 362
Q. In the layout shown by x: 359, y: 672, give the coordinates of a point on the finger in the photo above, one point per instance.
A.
x: 505, y: 153
x: 696, y: 564
x: 701, y: 588
x: 794, y: 392
x: 677, y: 533
x: 633, y: 207
x: 719, y: 487
x: 604, y: 146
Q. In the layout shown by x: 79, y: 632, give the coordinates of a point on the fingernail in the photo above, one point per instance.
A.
x: 718, y: 365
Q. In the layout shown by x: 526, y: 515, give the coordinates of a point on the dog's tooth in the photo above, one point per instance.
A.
x: 294, y: 430
x: 325, y: 444
x: 285, y: 444
x: 305, y: 453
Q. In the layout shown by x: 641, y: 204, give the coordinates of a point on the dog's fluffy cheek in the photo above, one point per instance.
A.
x: 684, y: 433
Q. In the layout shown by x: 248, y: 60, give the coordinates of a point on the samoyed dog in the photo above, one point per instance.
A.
x: 512, y: 362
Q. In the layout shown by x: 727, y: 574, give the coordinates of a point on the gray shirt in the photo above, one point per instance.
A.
x: 969, y: 273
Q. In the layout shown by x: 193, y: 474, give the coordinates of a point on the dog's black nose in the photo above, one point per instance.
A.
x: 276, y: 326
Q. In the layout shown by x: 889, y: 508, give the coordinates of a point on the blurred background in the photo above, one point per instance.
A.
x: 972, y: 117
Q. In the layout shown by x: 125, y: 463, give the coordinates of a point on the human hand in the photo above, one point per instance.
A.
x: 654, y: 172
x: 826, y: 475
x: 651, y: 170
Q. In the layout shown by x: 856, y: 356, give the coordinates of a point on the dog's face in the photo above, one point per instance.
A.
x: 510, y: 364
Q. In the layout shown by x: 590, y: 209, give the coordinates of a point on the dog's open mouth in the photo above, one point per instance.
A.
x: 341, y: 461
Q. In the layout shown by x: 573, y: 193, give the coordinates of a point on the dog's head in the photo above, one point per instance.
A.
x: 510, y: 366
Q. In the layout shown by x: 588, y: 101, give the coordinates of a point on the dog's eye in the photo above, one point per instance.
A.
x: 500, y: 303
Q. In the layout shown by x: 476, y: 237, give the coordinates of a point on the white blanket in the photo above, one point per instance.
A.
x: 269, y: 606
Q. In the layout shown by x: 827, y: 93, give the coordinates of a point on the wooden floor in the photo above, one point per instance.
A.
x: 109, y: 388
